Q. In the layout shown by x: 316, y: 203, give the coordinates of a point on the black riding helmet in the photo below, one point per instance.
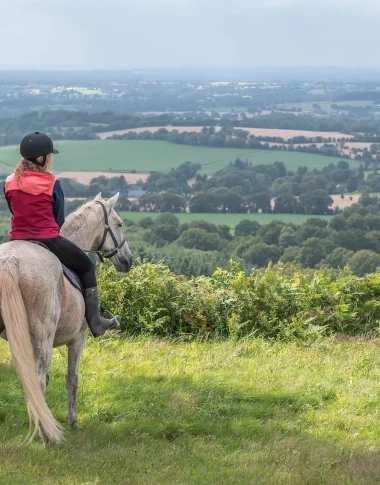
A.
x: 35, y: 145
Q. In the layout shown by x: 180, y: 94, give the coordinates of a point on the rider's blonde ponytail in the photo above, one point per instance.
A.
x: 27, y: 166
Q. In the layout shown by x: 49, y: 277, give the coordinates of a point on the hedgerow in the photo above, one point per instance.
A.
x: 280, y: 302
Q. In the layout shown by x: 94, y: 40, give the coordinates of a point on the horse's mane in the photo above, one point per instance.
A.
x: 78, y: 219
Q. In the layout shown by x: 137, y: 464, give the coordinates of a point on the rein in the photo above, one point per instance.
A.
x: 106, y: 253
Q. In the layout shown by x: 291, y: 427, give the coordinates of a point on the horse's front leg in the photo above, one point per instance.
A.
x: 74, y: 352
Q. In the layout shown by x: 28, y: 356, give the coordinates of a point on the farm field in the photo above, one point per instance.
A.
x: 285, y: 134
x: 86, y: 177
x: 146, y: 156
x: 347, y: 201
x: 236, y: 413
x: 230, y: 220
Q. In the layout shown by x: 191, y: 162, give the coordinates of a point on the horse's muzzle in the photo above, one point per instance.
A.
x: 123, y: 264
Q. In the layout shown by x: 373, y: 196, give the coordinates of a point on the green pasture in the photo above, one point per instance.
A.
x: 368, y: 174
x: 228, y: 219
x: 147, y: 156
x: 222, y: 413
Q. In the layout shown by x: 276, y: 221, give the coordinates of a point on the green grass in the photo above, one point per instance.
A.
x: 233, y: 413
x: 229, y: 219
x: 368, y: 173
x: 147, y: 156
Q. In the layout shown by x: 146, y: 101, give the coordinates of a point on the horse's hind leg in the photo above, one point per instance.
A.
x: 2, y: 326
x: 74, y: 352
x: 43, y: 356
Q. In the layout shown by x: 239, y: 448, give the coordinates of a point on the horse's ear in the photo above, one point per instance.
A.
x: 99, y: 196
x: 112, y: 201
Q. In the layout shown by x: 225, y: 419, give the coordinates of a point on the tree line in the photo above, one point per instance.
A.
x: 65, y: 124
x: 348, y: 239
x: 229, y: 137
x: 241, y: 187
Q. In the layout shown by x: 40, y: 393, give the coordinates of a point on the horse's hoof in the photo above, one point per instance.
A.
x: 75, y: 425
x: 52, y: 444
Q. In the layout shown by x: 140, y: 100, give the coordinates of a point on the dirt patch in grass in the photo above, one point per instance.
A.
x: 346, y: 202
x: 86, y: 177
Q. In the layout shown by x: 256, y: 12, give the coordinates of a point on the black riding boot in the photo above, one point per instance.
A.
x: 98, y: 325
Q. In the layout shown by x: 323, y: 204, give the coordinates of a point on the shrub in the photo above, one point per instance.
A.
x: 281, y: 302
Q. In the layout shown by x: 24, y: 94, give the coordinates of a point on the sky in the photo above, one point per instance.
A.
x: 130, y: 34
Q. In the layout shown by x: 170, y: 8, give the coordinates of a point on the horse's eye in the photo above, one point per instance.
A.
x: 121, y: 224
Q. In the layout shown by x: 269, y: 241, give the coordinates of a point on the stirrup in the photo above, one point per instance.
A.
x: 104, y: 310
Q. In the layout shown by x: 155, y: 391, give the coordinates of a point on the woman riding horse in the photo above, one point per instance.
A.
x: 36, y: 201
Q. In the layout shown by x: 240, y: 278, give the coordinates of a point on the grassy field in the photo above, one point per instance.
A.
x: 227, y: 413
x: 368, y: 173
x: 157, y: 155
x: 229, y: 219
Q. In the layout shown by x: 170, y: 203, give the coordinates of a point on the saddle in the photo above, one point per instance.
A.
x: 70, y: 275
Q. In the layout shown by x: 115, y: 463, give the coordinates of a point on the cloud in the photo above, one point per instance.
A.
x: 321, y: 4
x: 15, y: 28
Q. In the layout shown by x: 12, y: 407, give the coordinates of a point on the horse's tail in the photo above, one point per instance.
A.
x: 17, y: 329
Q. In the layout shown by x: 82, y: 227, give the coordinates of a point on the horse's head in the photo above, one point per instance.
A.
x: 111, y: 241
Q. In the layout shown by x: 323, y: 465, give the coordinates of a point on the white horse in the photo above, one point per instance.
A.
x: 40, y: 309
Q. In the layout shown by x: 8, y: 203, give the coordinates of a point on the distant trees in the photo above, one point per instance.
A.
x: 240, y: 187
x: 197, y: 238
x: 247, y: 228
x: 316, y: 202
x: 108, y: 187
x: 339, y: 258
x: 286, y: 204
x: 166, y: 202
x: 229, y: 137
x: 364, y: 262
x: 164, y: 230
x: 349, y: 239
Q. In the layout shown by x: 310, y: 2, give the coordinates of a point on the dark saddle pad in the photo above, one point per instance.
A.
x: 72, y: 277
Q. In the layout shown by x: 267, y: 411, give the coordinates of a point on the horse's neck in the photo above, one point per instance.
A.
x: 81, y: 229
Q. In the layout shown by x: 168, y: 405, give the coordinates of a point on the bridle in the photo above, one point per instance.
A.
x: 106, y: 253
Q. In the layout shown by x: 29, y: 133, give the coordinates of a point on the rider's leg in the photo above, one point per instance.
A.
x: 75, y: 259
